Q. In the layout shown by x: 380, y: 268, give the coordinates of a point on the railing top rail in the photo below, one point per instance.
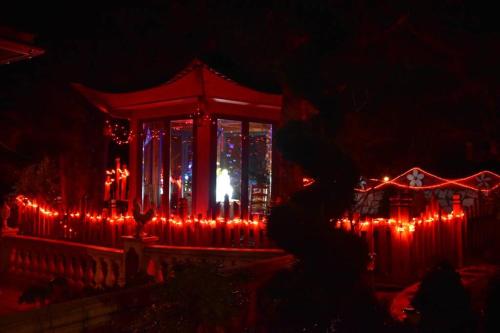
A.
x: 264, y: 265
x: 56, y: 242
x: 226, y: 250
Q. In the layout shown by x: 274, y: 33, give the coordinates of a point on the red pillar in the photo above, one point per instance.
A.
x: 458, y: 222
x: 134, y: 165
x: 202, y: 166
x: 401, y: 239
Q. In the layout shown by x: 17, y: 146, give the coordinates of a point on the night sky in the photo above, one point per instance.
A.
x: 416, y: 81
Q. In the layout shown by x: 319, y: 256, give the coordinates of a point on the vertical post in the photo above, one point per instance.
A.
x: 400, y: 208
x: 245, y: 140
x: 134, y: 164
x: 165, y: 200
x: 139, y: 245
x: 202, y: 164
x: 400, y: 239
x: 458, y: 221
x: 117, y: 178
x: 457, y: 204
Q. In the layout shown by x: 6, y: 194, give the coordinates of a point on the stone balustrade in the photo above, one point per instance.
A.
x: 81, y: 264
x: 160, y: 259
x: 105, y: 267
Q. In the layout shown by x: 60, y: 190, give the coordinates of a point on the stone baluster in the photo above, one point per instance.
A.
x: 27, y: 262
x: 121, y: 272
x: 43, y: 265
x: 110, y: 275
x: 12, y: 260
x: 68, y: 271
x: 166, y: 268
x: 157, y: 269
x: 159, y: 273
x: 89, y: 272
x: 19, y: 264
x: 99, y: 273
x: 86, y: 263
x: 35, y: 265
x: 60, y: 265
x: 78, y: 272
x: 51, y: 264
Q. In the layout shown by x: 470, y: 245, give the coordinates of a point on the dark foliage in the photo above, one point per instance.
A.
x: 140, y: 279
x: 53, y: 291
x: 492, y: 311
x: 193, y: 296
x: 305, y: 299
x: 443, y: 303
x: 324, y: 291
x: 35, y: 293
x: 39, y: 181
x: 398, y: 64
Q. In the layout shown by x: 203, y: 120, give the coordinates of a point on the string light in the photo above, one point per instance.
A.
x: 173, y: 220
x: 307, y: 181
x: 486, y: 181
x: 119, y: 133
x: 398, y: 225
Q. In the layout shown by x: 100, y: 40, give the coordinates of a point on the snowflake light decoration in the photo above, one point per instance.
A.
x: 483, y: 181
x: 415, y: 178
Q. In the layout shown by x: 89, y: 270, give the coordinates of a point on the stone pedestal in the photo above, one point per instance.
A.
x: 133, y: 249
x: 8, y: 231
x: 5, y: 251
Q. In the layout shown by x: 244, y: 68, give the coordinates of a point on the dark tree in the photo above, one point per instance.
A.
x: 443, y: 303
x: 492, y: 311
x: 194, y: 298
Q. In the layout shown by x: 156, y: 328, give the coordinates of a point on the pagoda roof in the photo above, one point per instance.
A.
x: 15, y: 46
x: 196, y: 83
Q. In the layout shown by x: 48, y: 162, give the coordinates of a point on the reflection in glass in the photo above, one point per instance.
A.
x: 259, y: 167
x: 181, y: 166
x: 152, y: 163
x: 228, y: 181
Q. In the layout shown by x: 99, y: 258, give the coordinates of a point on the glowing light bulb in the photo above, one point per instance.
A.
x: 386, y: 179
x: 223, y: 185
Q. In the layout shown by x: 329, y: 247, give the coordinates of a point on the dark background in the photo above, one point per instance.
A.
x: 416, y: 82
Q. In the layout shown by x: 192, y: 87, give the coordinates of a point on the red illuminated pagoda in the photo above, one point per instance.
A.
x: 196, y: 141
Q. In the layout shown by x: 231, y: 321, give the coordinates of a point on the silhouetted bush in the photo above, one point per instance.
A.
x: 492, y: 310
x: 443, y: 303
x: 194, y: 296
x: 324, y: 291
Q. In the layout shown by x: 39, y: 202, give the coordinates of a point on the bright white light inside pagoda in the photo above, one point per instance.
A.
x: 223, y: 185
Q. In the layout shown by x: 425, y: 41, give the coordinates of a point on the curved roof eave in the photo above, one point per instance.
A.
x: 197, y: 81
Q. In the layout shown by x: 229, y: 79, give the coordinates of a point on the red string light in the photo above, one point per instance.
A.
x: 411, y: 180
x: 93, y: 218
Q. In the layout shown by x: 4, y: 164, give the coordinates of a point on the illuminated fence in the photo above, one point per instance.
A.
x: 418, y: 229
x: 403, y: 249
x: 35, y: 220
x: 430, y: 218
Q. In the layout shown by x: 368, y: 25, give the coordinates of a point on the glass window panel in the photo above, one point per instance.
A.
x: 259, y: 167
x: 228, y: 180
x: 152, y: 163
x: 181, y: 166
